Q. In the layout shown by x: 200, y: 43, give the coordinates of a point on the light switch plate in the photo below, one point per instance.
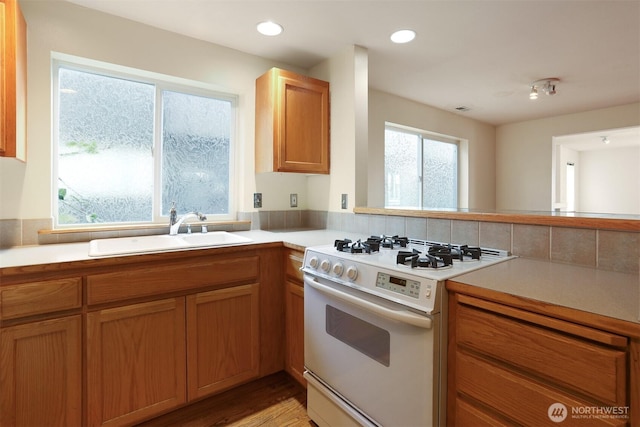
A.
x: 344, y: 201
x: 293, y: 200
x: 257, y: 200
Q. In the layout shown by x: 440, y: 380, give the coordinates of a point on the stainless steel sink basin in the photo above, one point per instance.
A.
x: 160, y: 243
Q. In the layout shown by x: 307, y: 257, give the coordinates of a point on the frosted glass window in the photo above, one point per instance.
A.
x: 440, y: 166
x: 195, y: 153
x: 402, y: 168
x: 105, y: 138
x: 128, y: 147
x: 420, y: 172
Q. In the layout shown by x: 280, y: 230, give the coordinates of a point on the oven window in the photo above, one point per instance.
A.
x: 368, y: 339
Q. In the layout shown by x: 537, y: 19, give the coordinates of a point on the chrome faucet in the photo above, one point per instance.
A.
x: 174, y: 223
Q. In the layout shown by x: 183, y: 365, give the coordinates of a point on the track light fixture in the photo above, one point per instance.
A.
x: 548, y: 87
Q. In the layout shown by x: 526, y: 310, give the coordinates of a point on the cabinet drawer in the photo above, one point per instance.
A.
x: 159, y: 279
x: 293, y: 264
x: 29, y: 299
x: 497, y: 387
x: 586, y: 367
x: 469, y: 415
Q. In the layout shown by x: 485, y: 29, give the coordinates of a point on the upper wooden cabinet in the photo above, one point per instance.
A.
x: 292, y: 123
x: 13, y: 81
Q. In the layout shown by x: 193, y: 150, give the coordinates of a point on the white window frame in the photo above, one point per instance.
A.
x: 162, y: 83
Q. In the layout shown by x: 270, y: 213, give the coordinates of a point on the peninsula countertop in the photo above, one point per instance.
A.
x: 552, y: 286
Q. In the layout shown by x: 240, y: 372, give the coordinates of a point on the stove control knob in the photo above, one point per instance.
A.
x: 352, y: 272
x: 338, y: 269
x: 313, y: 262
x: 325, y: 265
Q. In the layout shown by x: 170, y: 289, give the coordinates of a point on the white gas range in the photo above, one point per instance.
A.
x: 374, y: 328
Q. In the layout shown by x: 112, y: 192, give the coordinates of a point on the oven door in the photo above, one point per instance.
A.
x: 371, y: 354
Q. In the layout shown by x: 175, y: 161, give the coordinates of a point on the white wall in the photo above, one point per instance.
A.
x: 566, y: 155
x: 25, y: 189
x: 524, y: 153
x: 348, y: 74
x: 609, y: 181
x: 480, y: 136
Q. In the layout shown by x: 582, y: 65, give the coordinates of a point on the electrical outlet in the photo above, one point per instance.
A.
x: 293, y: 200
x: 344, y: 201
x: 257, y: 200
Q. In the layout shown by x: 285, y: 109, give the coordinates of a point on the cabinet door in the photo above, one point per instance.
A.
x: 13, y: 78
x: 292, y: 123
x: 135, y: 361
x: 294, y: 318
x: 222, y: 339
x: 40, y: 373
x: 302, y: 129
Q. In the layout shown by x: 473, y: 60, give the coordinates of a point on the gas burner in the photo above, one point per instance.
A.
x: 390, y: 242
x: 458, y: 252
x: 415, y: 259
x: 358, y: 247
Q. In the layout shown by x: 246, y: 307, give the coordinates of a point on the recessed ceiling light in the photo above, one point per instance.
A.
x: 403, y: 36
x: 269, y: 28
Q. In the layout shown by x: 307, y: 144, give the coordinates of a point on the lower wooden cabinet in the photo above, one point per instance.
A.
x: 508, y: 366
x: 222, y: 340
x: 294, y: 316
x: 116, y: 344
x: 41, y: 373
x: 136, y: 358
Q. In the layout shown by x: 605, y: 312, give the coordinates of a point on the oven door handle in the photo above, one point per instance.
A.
x: 401, y: 316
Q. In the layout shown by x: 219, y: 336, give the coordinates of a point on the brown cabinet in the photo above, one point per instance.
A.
x: 136, y: 359
x: 147, y: 358
x: 117, y: 341
x: 13, y: 80
x: 222, y: 339
x: 508, y: 366
x: 41, y: 373
x: 41, y: 353
x: 294, y: 316
x: 292, y: 123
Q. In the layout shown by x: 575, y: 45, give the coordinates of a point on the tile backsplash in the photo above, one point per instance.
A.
x: 603, y: 249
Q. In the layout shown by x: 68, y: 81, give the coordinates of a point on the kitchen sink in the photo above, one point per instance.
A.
x: 160, y: 243
x: 212, y: 238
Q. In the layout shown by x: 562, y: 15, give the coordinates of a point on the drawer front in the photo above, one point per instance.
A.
x: 293, y: 264
x: 469, y: 415
x: 158, y: 279
x: 498, y: 387
x: 29, y: 299
x: 577, y: 364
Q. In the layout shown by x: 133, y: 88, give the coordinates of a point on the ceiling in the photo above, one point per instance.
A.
x: 590, y: 141
x: 478, y: 54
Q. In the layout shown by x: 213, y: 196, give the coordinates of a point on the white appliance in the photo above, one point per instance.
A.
x: 375, y: 336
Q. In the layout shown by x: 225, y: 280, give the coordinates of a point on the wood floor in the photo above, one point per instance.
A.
x: 276, y: 400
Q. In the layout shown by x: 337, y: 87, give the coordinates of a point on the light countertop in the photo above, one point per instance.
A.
x: 607, y: 293
x: 70, y: 252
